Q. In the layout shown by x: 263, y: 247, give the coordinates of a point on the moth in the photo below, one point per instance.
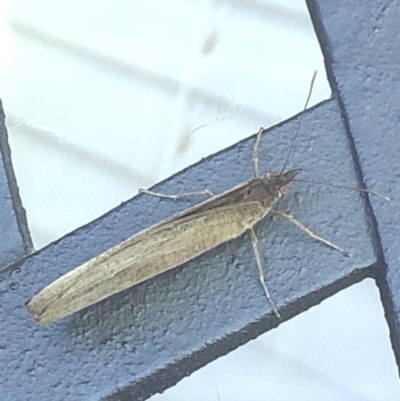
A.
x: 171, y: 243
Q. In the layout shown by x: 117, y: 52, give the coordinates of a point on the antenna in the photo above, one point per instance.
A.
x: 368, y: 191
x: 298, y: 126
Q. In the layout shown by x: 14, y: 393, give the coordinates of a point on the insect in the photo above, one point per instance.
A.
x: 173, y: 242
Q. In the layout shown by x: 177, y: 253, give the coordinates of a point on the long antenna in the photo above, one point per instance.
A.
x: 379, y: 195
x: 298, y: 126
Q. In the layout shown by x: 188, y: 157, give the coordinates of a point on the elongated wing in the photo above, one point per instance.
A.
x: 144, y: 255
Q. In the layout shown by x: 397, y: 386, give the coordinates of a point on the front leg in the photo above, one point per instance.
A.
x: 309, y: 232
x: 254, y: 241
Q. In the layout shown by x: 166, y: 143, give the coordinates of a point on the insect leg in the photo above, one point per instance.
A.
x: 309, y: 232
x: 261, y: 272
x: 255, y: 152
x: 176, y: 196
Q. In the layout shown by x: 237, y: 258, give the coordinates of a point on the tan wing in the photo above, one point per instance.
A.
x: 144, y: 255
